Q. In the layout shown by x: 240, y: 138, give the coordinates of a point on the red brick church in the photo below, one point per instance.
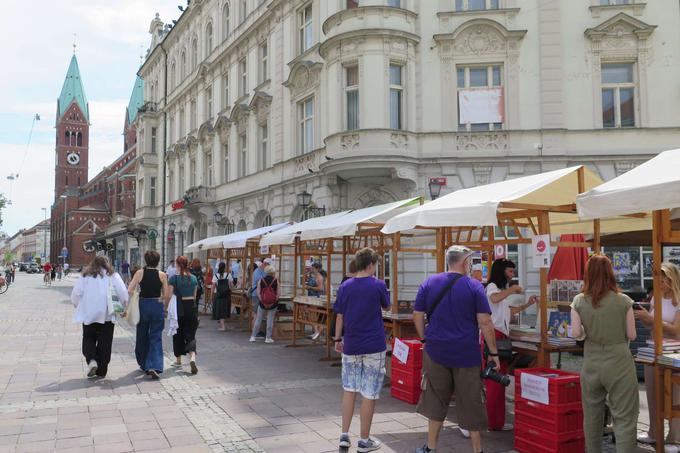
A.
x: 83, y: 209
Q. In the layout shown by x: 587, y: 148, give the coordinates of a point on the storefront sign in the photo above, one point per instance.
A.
x: 400, y: 350
x: 540, y: 248
x: 535, y: 388
x: 179, y: 204
x: 152, y: 234
x: 499, y: 252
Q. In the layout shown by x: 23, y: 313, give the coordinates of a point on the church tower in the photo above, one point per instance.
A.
x: 72, y: 134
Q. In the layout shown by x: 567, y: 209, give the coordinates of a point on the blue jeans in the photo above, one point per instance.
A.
x: 149, y: 346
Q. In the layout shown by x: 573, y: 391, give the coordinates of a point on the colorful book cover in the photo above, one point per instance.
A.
x: 558, y: 324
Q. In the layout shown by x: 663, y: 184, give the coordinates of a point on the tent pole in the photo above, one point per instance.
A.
x: 544, y: 356
x: 657, y: 238
x: 597, y: 248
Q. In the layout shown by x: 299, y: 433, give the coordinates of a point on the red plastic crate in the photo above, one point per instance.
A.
x: 410, y: 396
x: 556, y: 418
x: 563, y: 388
x: 415, y: 355
x: 534, y: 440
x: 405, y: 379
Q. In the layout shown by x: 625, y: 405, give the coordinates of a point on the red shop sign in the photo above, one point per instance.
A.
x: 179, y: 204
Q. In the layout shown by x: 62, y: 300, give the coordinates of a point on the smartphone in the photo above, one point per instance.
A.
x: 637, y: 306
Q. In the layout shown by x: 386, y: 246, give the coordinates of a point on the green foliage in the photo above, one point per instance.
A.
x: 3, y: 203
x: 9, y: 257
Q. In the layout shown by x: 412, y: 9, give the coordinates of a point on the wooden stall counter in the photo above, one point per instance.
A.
x: 399, y: 325
x: 529, y: 344
x: 315, y: 312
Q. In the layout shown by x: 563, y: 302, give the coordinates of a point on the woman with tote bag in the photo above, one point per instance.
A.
x: 96, y: 310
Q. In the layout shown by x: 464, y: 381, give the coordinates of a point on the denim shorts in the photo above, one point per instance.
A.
x: 364, y: 374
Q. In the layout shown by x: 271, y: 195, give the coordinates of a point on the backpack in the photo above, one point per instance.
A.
x: 223, y: 290
x: 268, y: 297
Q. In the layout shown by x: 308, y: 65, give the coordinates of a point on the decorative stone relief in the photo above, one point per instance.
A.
x: 373, y: 197
x: 349, y: 142
x: 467, y: 141
x: 261, y: 104
x: 304, y: 77
x: 479, y: 40
x: 406, y: 173
x: 305, y: 163
x: 482, y: 174
x: 623, y: 167
x: 399, y: 141
x: 479, y: 37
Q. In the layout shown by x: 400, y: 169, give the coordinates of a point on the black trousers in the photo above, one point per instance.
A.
x: 184, y: 341
x: 97, y: 341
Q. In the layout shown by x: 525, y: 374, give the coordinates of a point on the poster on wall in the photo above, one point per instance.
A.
x: 672, y: 254
x: 622, y: 264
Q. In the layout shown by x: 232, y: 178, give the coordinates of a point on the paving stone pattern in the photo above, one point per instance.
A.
x: 246, y: 397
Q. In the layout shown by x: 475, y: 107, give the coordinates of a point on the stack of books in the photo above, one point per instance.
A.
x: 646, y: 354
x: 672, y: 359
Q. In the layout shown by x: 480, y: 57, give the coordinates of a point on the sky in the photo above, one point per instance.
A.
x: 37, y: 39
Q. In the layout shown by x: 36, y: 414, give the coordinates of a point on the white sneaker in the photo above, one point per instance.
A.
x: 646, y: 439
x: 253, y: 339
x: 464, y: 432
x: 671, y: 448
x: 92, y: 369
x: 269, y: 341
x: 316, y: 336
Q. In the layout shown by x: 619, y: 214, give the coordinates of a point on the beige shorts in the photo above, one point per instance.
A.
x: 439, y: 383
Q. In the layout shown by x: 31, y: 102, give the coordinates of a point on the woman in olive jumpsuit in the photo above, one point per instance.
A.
x: 608, y: 371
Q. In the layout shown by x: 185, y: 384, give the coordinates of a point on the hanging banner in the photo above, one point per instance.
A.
x: 540, y: 249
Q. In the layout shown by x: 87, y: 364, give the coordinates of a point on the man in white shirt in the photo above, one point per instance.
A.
x: 236, y: 271
x: 171, y: 270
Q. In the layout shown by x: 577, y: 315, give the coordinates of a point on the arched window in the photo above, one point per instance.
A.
x: 208, y: 39
x: 80, y: 139
x: 242, y: 226
x: 194, y: 53
x: 67, y: 138
x: 173, y: 75
x: 183, y: 65
x: 225, y: 21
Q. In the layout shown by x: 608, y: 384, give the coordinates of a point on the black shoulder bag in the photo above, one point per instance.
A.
x: 441, y: 295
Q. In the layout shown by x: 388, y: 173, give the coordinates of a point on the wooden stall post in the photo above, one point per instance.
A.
x: 657, y: 242
x: 327, y: 281
x: 440, y: 237
x: 296, y: 264
x: 597, y: 248
x: 544, y: 355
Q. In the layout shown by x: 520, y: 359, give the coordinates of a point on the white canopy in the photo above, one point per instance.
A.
x: 651, y: 186
x: 479, y: 206
x: 347, y: 225
x: 233, y: 240
x: 287, y: 235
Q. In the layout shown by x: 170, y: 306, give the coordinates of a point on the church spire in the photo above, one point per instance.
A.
x: 72, y: 90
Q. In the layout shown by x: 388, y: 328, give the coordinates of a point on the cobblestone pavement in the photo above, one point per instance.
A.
x: 246, y: 397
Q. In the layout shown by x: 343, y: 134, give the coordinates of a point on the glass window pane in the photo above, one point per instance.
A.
x: 461, y: 77
x: 627, y: 107
x: 493, y: 4
x: 395, y: 109
x: 479, y: 127
x: 617, y: 73
x: 497, y: 126
x: 476, y: 4
x: 309, y: 108
x: 352, y: 110
x: 394, y: 3
x: 496, y: 72
x: 478, y: 77
x: 608, y: 115
x: 395, y: 74
x: 459, y: 5
x: 309, y: 135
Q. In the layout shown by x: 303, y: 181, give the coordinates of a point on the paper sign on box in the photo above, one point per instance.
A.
x: 400, y: 350
x: 535, y: 388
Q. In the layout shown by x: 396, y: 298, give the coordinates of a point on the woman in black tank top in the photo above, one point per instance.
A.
x: 153, y: 299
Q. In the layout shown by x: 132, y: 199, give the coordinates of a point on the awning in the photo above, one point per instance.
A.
x: 348, y: 225
x: 654, y: 185
x: 233, y: 240
x: 479, y: 206
x: 287, y: 235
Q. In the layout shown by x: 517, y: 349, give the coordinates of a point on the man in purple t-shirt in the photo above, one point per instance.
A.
x: 452, y: 357
x: 358, y: 306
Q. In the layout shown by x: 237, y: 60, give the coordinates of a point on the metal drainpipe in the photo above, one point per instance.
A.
x: 165, y: 144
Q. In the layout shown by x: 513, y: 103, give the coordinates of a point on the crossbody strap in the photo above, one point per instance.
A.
x: 441, y: 295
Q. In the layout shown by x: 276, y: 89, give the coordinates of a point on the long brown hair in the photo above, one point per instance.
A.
x: 182, y: 265
x: 599, y: 279
x: 96, y: 266
x: 196, y: 264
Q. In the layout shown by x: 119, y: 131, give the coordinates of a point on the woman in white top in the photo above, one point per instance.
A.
x: 92, y: 296
x: 499, y: 292
x: 670, y: 309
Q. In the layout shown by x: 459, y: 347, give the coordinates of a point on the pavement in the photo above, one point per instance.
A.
x: 246, y: 397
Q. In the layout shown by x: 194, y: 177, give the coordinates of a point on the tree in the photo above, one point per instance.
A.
x: 9, y: 257
x: 3, y: 203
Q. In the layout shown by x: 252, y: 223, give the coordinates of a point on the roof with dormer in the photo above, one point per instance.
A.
x: 72, y: 90
x: 136, y: 100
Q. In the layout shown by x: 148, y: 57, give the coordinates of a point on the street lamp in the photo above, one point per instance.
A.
x: 65, y: 205
x: 218, y: 217
x: 435, y: 186
x: 305, y: 200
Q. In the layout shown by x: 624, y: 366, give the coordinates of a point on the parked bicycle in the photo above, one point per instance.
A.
x: 4, y: 284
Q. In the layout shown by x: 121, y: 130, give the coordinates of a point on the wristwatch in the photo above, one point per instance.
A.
x: 337, y: 340
x: 493, y: 354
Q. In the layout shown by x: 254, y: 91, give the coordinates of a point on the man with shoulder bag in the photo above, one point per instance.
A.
x: 457, y: 308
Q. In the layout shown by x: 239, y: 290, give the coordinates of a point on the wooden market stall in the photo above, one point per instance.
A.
x: 243, y: 245
x: 340, y: 236
x: 650, y: 191
x: 533, y: 206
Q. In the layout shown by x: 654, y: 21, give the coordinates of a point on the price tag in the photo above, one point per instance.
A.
x: 400, y: 350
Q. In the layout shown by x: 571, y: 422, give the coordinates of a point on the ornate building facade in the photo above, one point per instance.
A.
x: 253, y: 103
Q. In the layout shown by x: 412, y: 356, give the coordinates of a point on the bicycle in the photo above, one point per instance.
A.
x: 4, y: 284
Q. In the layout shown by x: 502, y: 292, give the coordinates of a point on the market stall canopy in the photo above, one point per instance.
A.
x: 233, y: 240
x: 286, y: 236
x: 654, y: 185
x: 349, y: 224
x: 480, y: 206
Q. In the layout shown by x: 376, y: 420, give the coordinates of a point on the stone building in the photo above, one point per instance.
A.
x: 361, y: 102
x: 36, y: 242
